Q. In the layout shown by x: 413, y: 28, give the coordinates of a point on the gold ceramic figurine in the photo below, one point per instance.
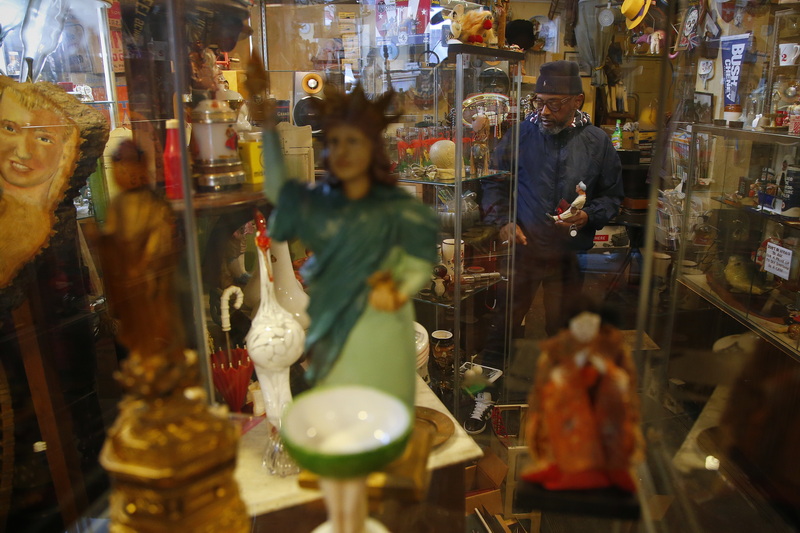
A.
x: 171, y: 460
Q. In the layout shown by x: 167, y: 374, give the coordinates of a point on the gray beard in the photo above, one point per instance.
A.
x: 553, y: 130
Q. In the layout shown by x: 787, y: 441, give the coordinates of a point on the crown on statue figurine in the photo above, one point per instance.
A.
x: 370, y: 116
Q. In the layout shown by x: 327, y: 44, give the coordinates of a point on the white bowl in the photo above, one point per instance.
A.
x: 346, y: 431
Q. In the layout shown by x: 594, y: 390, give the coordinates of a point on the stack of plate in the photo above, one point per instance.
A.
x: 423, y: 350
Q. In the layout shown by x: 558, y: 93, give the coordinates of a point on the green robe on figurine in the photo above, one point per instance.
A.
x: 373, y: 246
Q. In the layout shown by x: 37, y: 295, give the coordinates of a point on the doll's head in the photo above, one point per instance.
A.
x: 369, y: 117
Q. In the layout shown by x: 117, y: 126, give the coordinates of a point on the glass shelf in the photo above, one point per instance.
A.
x: 760, y: 210
x: 454, y: 49
x: 247, y: 194
x: 769, y: 330
x: 742, y: 134
x: 498, y: 174
x: 467, y: 291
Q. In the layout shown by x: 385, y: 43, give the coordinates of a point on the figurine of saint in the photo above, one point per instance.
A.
x: 39, y: 148
x: 583, y: 423
x: 373, y: 246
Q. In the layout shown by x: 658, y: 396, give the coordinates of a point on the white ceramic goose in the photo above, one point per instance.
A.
x: 275, y: 340
x: 288, y: 289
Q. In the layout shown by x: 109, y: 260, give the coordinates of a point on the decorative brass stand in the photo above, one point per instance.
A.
x: 170, y: 458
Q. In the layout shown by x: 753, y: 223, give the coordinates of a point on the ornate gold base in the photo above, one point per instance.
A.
x: 208, y: 505
x: 171, y: 462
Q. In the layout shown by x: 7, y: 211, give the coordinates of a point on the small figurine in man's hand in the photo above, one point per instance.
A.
x: 576, y: 205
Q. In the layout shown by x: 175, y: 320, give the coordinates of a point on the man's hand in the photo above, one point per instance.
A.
x: 579, y: 220
x: 511, y: 233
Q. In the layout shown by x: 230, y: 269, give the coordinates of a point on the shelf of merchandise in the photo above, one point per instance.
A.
x: 469, y: 290
x: 771, y: 328
x: 746, y: 135
x: 247, y: 194
x: 785, y: 29
x: 463, y: 63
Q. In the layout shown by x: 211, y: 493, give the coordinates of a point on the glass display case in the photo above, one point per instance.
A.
x: 734, y: 276
x: 717, y: 351
x: 723, y: 267
x: 783, y: 63
x: 481, y: 83
x: 58, y: 393
x: 440, y: 100
x: 166, y: 76
x: 743, y: 236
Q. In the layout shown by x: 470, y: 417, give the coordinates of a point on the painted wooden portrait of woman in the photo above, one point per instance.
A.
x: 49, y: 144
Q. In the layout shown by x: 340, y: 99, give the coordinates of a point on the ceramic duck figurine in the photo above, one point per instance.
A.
x: 275, y: 340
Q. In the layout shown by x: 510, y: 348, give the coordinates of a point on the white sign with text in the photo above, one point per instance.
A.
x: 778, y: 260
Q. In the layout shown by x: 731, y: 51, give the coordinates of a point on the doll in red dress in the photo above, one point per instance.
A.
x: 583, y: 425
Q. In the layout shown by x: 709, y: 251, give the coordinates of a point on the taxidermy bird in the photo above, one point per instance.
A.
x: 740, y: 274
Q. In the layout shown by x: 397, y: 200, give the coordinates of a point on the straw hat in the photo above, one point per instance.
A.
x: 634, y: 11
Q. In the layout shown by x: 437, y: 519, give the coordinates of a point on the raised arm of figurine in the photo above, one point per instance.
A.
x: 274, y: 167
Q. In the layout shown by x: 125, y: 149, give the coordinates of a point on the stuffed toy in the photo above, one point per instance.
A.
x: 476, y: 27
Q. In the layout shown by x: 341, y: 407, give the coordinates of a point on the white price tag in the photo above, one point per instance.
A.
x: 778, y: 260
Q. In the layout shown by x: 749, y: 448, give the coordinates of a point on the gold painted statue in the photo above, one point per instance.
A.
x: 170, y: 458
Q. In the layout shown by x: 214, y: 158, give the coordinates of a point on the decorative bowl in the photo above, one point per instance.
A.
x: 447, y: 219
x: 346, y: 431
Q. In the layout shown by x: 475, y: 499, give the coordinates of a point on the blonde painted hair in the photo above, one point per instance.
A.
x: 32, y: 98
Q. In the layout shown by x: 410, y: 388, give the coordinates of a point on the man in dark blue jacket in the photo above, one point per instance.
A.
x: 558, y: 148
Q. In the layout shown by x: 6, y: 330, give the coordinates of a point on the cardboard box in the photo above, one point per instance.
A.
x: 251, y: 154
x: 488, y: 473
x: 629, y: 140
x: 490, y: 499
x: 469, y: 477
x: 482, y: 483
x: 491, y: 471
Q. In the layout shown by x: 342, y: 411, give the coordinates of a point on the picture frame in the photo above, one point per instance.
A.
x: 688, y: 38
x: 703, y: 107
x: 712, y: 28
x: 583, y: 67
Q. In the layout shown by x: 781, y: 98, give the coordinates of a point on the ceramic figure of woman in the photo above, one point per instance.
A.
x: 373, y: 246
